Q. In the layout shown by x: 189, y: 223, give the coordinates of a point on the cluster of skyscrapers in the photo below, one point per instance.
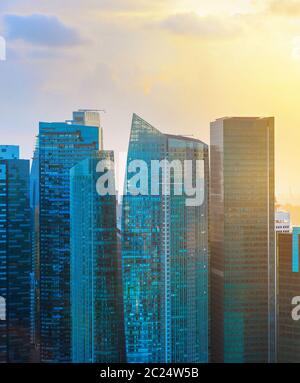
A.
x: 174, y: 281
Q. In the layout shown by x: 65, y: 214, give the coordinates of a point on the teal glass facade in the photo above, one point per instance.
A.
x: 60, y: 147
x: 96, y: 281
x: 296, y: 232
x: 35, y: 262
x: 15, y: 256
x: 288, y: 282
x: 242, y: 240
x: 165, y: 256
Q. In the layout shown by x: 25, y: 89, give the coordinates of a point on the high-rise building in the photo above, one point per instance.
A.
x: 242, y: 239
x: 60, y: 147
x: 288, y: 287
x: 15, y: 257
x: 165, y: 249
x: 96, y: 274
x: 35, y: 263
x: 89, y: 117
x: 9, y: 152
x: 282, y: 222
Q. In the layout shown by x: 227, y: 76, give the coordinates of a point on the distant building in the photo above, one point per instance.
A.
x: 242, y: 239
x: 15, y: 257
x: 165, y: 255
x: 282, y: 222
x: 96, y: 275
x: 288, y: 277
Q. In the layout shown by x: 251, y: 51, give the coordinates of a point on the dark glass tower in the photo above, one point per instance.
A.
x: 288, y: 335
x: 15, y: 257
x: 242, y: 240
x: 96, y: 288
x: 35, y: 263
x: 60, y: 147
x: 165, y: 252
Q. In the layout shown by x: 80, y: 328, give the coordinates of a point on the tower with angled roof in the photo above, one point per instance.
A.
x: 165, y: 253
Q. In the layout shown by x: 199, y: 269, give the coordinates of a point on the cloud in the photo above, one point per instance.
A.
x: 285, y: 7
x: 38, y: 29
x: 210, y: 26
x: 132, y: 5
x: 48, y: 6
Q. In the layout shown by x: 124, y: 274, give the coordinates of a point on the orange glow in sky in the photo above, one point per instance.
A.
x: 178, y: 64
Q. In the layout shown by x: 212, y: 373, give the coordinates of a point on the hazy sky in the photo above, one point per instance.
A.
x: 178, y: 64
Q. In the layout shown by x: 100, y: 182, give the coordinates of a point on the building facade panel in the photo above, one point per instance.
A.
x: 288, y: 337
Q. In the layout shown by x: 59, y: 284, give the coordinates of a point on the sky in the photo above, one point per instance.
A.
x: 179, y: 64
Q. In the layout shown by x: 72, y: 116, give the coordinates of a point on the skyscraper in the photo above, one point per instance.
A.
x: 96, y: 280
x: 288, y: 336
x: 9, y: 152
x: 165, y: 250
x: 89, y: 117
x: 242, y: 238
x: 15, y: 257
x: 282, y: 222
x: 60, y: 147
x: 35, y: 263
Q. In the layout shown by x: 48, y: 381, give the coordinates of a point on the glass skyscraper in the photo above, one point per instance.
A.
x: 242, y: 239
x: 89, y: 117
x: 288, y: 277
x: 165, y: 252
x: 15, y: 257
x: 60, y: 147
x: 96, y: 288
x: 35, y: 262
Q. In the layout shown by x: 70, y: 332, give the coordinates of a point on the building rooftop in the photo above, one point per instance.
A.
x: 241, y: 118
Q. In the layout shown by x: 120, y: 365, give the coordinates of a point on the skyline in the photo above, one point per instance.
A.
x: 165, y: 248
x: 179, y: 60
x: 149, y: 192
